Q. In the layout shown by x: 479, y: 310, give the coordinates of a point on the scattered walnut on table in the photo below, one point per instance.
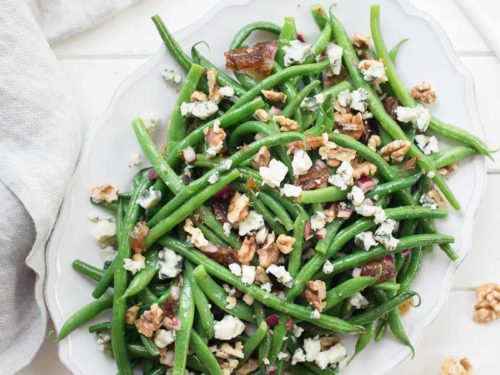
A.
x: 104, y: 193
x: 424, y: 92
x: 315, y: 294
x: 487, y: 307
x: 396, y: 150
x: 452, y: 367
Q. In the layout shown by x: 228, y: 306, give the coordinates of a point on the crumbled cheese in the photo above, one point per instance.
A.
x: 292, y: 191
x: 356, y: 272
x: 189, y: 154
x: 104, y: 231
x: 227, y: 228
x: 312, y: 103
x: 368, y: 209
x: 247, y: 274
x: 344, y: 98
x: 281, y: 275
x: 252, y: 222
x: 318, y: 220
x: 228, y: 328
x: 301, y: 163
x: 332, y: 356
x: 298, y: 356
x: 134, y: 266
x: 356, y: 195
x: 297, y: 330
x: 358, y: 301
x: 164, y: 337
x: 375, y: 70
x: 383, y: 234
x: 235, y: 268
x: 312, y: 347
x: 261, y: 236
x: 103, y: 339
x: 169, y: 264
x: 136, y: 159
x: 230, y: 302
x: 283, y: 356
x: 428, y: 145
x: 327, y: 267
x: 201, y: 110
x: 266, y: 286
x: 359, y: 100
x: 365, y: 240
x: 343, y: 176
x: 273, y: 174
x: 226, y: 165
x: 427, y: 201
x: 108, y: 253
x: 248, y: 299
x: 149, y: 198
x: 315, y: 314
x: 173, y: 78
x: 431, y: 175
x: 226, y: 91
x: 418, y: 116
x: 150, y: 121
x: 295, y: 52
x: 214, y: 177
x: 334, y: 53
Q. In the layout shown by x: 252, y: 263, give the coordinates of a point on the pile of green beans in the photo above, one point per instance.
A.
x: 311, y: 236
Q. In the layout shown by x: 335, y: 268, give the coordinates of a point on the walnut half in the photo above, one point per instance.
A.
x: 396, y: 150
x: 452, y: 367
x: 488, y: 303
x: 423, y: 92
x: 315, y: 294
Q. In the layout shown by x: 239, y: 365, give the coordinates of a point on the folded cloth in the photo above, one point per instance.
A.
x: 39, y: 146
x: 61, y: 18
x: 483, y: 14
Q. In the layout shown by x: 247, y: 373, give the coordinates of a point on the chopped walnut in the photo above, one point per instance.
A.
x: 316, y: 177
x: 349, y: 124
x: 360, y: 43
x: 262, y: 115
x: 424, y: 92
x: 269, y: 253
x: 436, y: 197
x: 315, y: 294
x: 131, y: 315
x: 410, y: 164
x: 195, y: 235
x: 262, y: 158
x: 335, y: 154
x: 396, y: 150
x: 249, y: 367
x: 274, y: 96
x: 447, y: 170
x: 363, y: 169
x: 374, y: 142
x: 451, y: 367
x: 327, y: 342
x: 214, y: 138
x: 311, y: 143
x: 488, y: 303
x: 150, y: 321
x: 261, y: 276
x: 104, y: 193
x: 285, y: 243
x: 213, y: 88
x: 247, y: 250
x: 405, y: 307
x: 137, y: 237
x: 199, y: 96
x: 238, y: 208
x: 287, y: 124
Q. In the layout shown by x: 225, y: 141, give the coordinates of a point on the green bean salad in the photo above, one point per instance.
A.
x: 292, y: 204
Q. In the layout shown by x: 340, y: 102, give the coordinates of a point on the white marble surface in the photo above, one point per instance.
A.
x: 96, y: 61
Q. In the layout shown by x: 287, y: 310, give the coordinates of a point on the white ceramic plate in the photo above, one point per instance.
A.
x: 427, y: 56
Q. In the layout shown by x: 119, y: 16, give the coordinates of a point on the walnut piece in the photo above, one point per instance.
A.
x: 436, y: 197
x: 447, y: 170
x: 316, y: 177
x: 238, y: 208
x: 150, y: 321
x: 198, y: 96
x: 404, y: 308
x: 285, y: 243
x: 334, y: 154
x: 396, y: 150
x: 315, y: 294
x: 286, y: 124
x: 424, y: 92
x: 261, y: 158
x: 131, y: 315
x: 213, y: 88
x: 249, y: 367
x: 311, y: 143
x: 488, y: 303
x: 363, y: 169
x: 195, y: 235
x: 269, y: 253
x: 262, y: 115
x: 214, y: 138
x: 104, y: 193
x: 360, y: 42
x: 452, y: 367
x: 261, y: 276
x: 410, y: 164
x: 374, y: 142
x: 349, y: 124
x: 137, y: 237
x: 274, y: 96
x: 247, y: 250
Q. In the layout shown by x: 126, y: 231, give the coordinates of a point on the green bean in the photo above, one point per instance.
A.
x: 379, y: 311
x: 184, y: 211
x: 295, y: 257
x: 331, y: 231
x: 451, y: 155
x: 414, y: 267
x: 86, y: 269
x: 319, y: 15
x: 389, y: 286
x: 295, y: 102
x: 186, y: 317
x: 393, y: 53
x: 204, y: 353
x: 144, y: 276
x: 177, y: 126
x: 345, y: 235
x: 149, y: 345
x: 317, y: 371
x: 381, y: 329
x: 245, y: 32
x: 348, y: 288
x: 435, y: 125
x: 139, y: 351
x: 84, y: 315
x: 277, y: 209
x: 262, y: 209
x: 254, y: 341
x: 209, y: 235
x: 172, y: 45
x: 209, y: 219
x: 288, y: 33
x: 266, y: 298
x: 203, y: 309
x: 394, y: 320
x: 279, y: 335
x: 104, y: 326
x: 393, y: 186
x: 112, y: 207
x: 249, y: 127
x: 327, y: 194
x: 147, y: 297
x: 218, y: 295
x: 377, y: 108
x: 365, y: 338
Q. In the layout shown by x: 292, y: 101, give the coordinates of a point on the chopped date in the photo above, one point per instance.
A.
x: 258, y: 58
x: 390, y: 105
x: 220, y: 208
x: 171, y: 306
x: 383, y: 267
x: 223, y: 255
x: 316, y: 177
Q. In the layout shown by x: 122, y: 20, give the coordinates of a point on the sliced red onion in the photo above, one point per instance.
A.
x: 274, y: 110
x: 344, y: 212
x: 224, y: 192
x: 271, y: 371
x: 367, y: 183
x: 307, y: 231
x: 389, y: 259
x: 272, y: 320
x: 152, y: 174
x: 320, y: 234
x: 301, y: 37
x: 406, y: 252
